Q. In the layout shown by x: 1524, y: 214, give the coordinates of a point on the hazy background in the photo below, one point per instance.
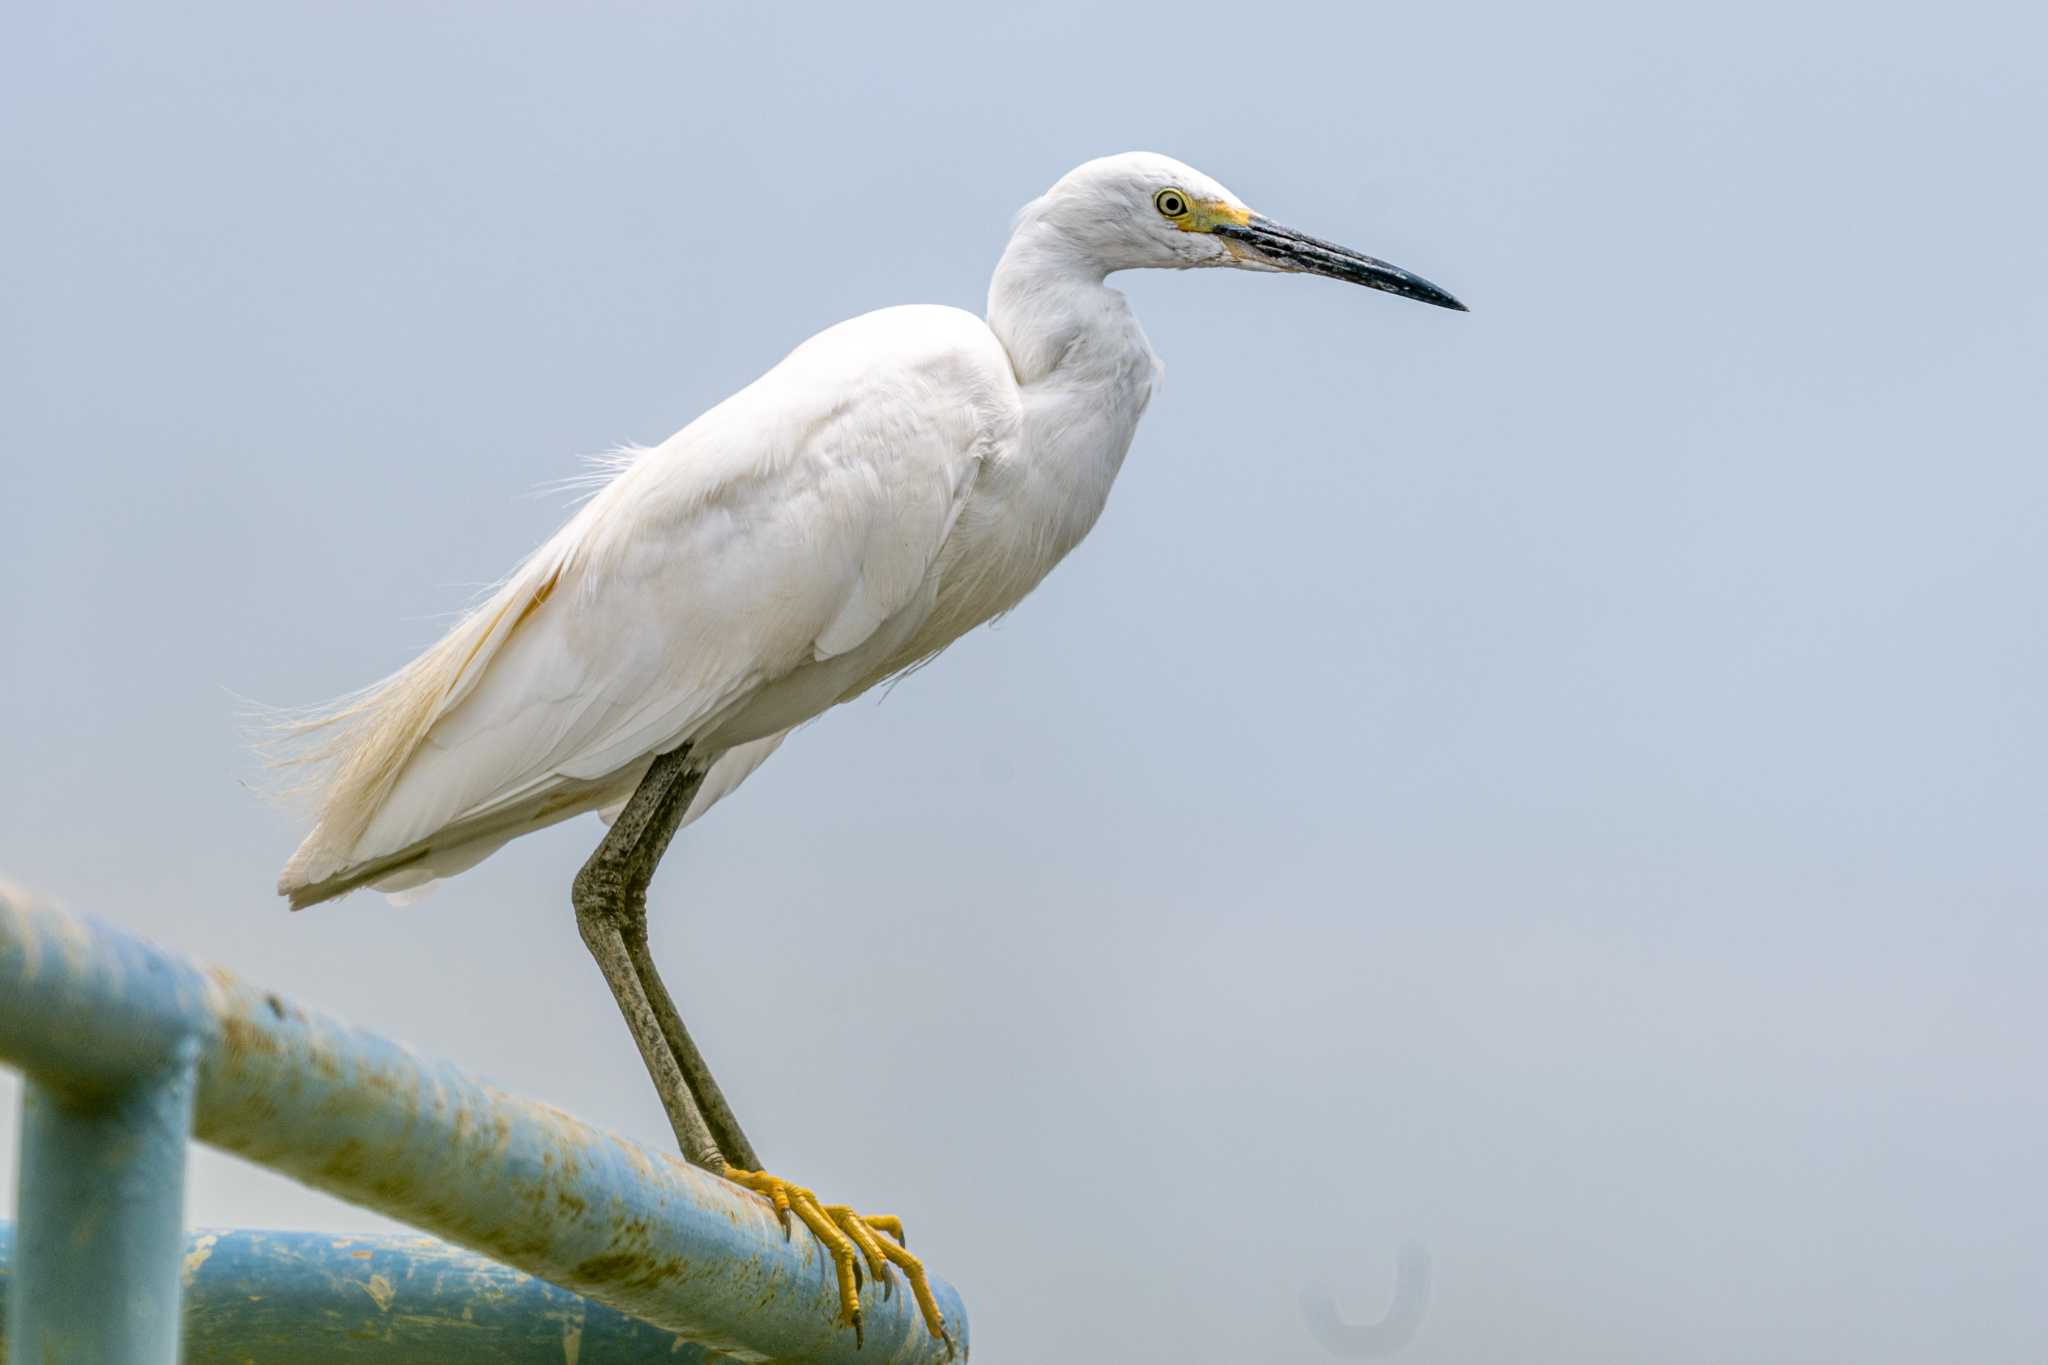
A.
x: 1563, y: 784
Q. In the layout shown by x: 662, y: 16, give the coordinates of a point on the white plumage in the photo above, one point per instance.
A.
x: 897, y: 480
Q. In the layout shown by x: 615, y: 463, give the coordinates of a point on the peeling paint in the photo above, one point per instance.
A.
x: 196, y: 1257
x: 381, y: 1289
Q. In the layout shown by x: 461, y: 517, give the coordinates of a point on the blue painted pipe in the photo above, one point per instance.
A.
x: 366, y: 1119
x: 102, y: 1206
x: 317, y: 1298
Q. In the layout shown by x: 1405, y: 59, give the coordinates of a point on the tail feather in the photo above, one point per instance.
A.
x: 356, y: 748
x: 464, y: 844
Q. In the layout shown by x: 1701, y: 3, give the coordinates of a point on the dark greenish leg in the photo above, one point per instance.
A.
x: 610, y: 896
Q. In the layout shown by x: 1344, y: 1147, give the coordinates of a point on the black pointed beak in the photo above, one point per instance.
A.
x: 1285, y: 249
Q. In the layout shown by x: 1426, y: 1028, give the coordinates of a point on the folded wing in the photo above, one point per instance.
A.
x: 722, y: 587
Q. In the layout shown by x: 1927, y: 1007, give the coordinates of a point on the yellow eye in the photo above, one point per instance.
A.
x: 1171, y: 203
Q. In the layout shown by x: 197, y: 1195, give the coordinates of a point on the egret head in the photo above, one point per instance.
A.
x: 1141, y: 209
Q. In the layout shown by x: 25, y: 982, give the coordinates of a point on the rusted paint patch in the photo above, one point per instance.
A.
x: 246, y: 1038
x: 380, y: 1288
x: 626, y: 1270
x: 634, y: 1153
x: 393, y: 1186
x: 348, y: 1162
x: 630, y: 1262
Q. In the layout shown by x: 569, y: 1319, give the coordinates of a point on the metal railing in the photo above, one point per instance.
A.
x: 129, y: 1050
x: 315, y: 1298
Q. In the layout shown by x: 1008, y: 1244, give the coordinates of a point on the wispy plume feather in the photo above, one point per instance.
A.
x: 346, y: 754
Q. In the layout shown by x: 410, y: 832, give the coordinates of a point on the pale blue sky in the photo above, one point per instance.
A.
x: 1563, y: 784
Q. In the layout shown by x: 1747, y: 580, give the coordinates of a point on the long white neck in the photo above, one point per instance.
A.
x: 1084, y: 368
x: 1048, y: 305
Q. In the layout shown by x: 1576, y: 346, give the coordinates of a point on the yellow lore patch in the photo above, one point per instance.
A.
x: 1209, y: 214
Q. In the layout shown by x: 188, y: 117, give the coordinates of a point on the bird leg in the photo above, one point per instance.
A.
x: 610, y: 896
x: 718, y: 1115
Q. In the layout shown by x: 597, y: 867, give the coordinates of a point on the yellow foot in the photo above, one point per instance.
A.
x: 876, y: 1238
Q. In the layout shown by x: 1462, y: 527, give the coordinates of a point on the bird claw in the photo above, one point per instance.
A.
x: 852, y: 1239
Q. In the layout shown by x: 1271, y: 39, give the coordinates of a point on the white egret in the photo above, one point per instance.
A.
x: 897, y: 480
